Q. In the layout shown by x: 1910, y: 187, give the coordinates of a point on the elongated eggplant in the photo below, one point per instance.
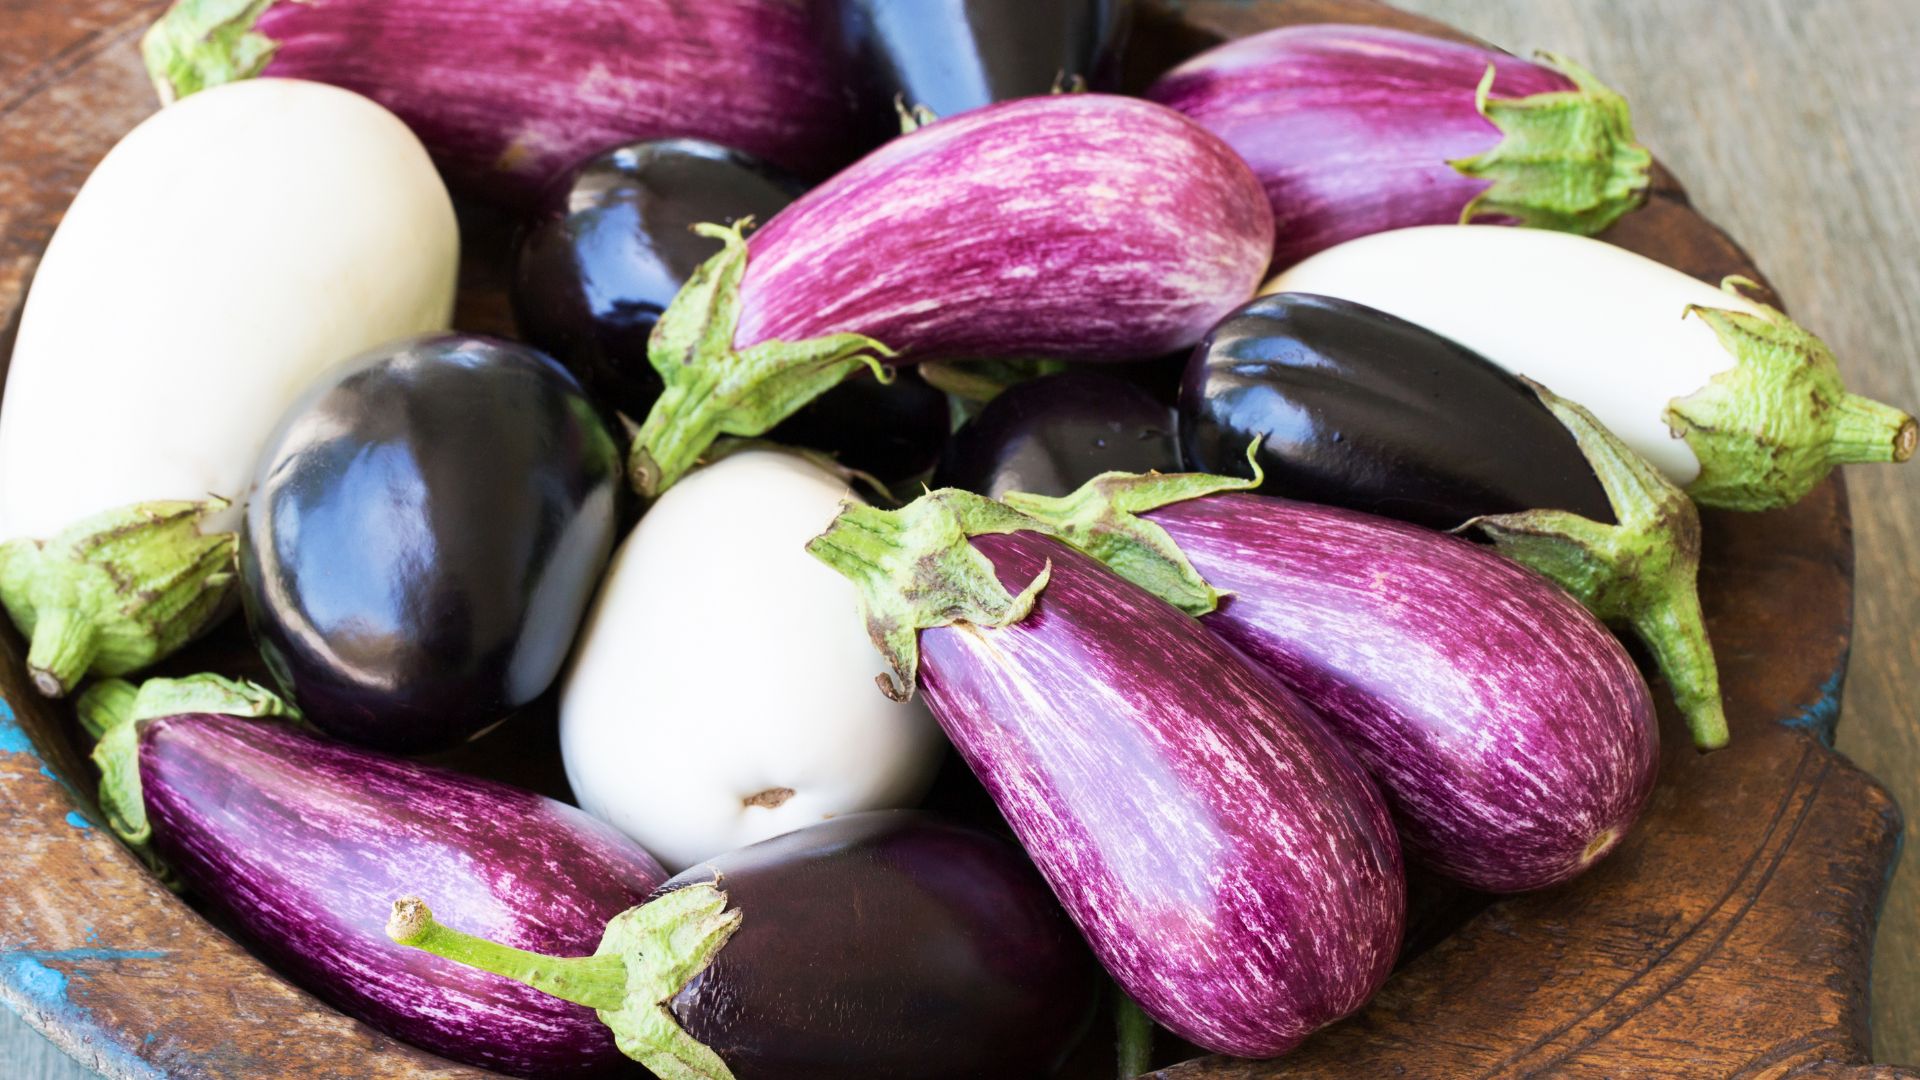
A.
x: 1055, y: 433
x: 1359, y: 129
x: 301, y: 843
x: 882, y: 945
x: 1731, y: 400
x: 1357, y: 408
x: 1074, y: 227
x: 1229, y: 862
x: 154, y: 354
x: 430, y: 523
x: 510, y: 94
x: 1511, y: 733
x: 609, y: 246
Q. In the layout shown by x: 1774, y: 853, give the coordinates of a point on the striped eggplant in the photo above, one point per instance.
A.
x: 883, y: 944
x: 1510, y: 732
x: 1075, y: 227
x: 508, y: 94
x: 303, y: 842
x: 1229, y: 862
x: 1359, y: 129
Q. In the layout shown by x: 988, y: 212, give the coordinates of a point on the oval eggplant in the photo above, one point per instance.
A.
x: 301, y: 842
x: 430, y: 523
x: 1055, y: 433
x: 881, y: 945
x: 1231, y: 865
x: 1360, y: 129
x: 1360, y: 409
x: 743, y: 73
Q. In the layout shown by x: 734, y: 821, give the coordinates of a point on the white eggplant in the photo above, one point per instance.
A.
x: 722, y: 691
x: 1728, y: 397
x: 228, y: 250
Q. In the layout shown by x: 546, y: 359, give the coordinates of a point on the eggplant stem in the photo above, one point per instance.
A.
x: 64, y: 646
x: 1133, y: 1036
x: 599, y: 982
x: 1676, y: 632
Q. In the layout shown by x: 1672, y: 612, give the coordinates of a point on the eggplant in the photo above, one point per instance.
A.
x: 1228, y: 861
x: 609, y: 246
x: 1074, y: 227
x: 1728, y: 397
x: 1510, y: 732
x: 1356, y: 408
x: 301, y: 842
x: 1055, y: 433
x: 947, y: 56
x: 127, y: 439
x: 882, y: 945
x: 510, y: 94
x: 429, y: 523
x: 1356, y: 130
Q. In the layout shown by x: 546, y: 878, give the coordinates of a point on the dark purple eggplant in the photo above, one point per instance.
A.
x: 1355, y: 130
x: 1229, y: 862
x: 509, y: 94
x: 302, y: 842
x: 1356, y: 408
x: 878, y: 945
x: 1055, y: 433
x: 426, y: 528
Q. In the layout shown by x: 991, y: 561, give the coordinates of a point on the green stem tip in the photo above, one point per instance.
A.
x: 1133, y: 1036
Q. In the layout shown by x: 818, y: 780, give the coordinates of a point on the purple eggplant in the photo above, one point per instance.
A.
x: 1355, y: 130
x: 1055, y: 433
x: 884, y: 944
x: 509, y: 94
x: 1510, y: 732
x: 1075, y: 227
x: 302, y: 843
x: 1231, y: 865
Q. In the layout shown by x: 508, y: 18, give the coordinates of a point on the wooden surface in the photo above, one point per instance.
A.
x: 1729, y: 936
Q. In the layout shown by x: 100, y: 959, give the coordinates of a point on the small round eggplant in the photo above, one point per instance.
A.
x: 1055, y: 433
x: 1360, y: 409
x: 427, y: 527
x: 884, y: 944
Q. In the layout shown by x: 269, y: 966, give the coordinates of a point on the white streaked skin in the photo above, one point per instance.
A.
x: 227, y: 251
x: 722, y: 662
x: 1592, y: 322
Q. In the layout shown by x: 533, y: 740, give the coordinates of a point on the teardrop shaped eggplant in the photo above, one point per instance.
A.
x: 1360, y: 409
x: 427, y: 526
x: 1055, y: 433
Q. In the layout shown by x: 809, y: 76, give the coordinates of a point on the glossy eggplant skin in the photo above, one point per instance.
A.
x: 427, y: 526
x: 1055, y: 433
x: 1359, y: 409
x: 888, y: 944
x: 955, y: 55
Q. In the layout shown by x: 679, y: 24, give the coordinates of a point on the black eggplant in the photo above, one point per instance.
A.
x: 1358, y: 408
x: 1053, y: 434
x: 610, y: 245
x: 427, y: 525
x: 882, y: 944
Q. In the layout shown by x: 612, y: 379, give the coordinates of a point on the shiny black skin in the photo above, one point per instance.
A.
x: 427, y: 526
x: 1055, y: 433
x: 888, y: 944
x: 955, y: 55
x: 609, y: 246
x: 1367, y: 411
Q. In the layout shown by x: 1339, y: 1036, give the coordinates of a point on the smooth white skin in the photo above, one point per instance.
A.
x: 1592, y: 322
x: 721, y: 661
x: 227, y: 251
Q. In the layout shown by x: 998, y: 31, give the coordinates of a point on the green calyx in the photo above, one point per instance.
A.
x: 711, y: 388
x: 912, y: 117
x: 1641, y: 572
x: 647, y: 954
x: 116, y: 592
x: 203, y: 43
x: 915, y: 569
x: 1769, y: 428
x: 1568, y: 160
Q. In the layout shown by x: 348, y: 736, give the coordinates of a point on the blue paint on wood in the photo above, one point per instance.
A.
x: 42, y: 995
x: 13, y: 738
x: 84, y: 955
x: 78, y: 820
x: 1823, y: 716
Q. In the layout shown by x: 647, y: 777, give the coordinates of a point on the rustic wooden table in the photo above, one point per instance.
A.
x: 1794, y: 128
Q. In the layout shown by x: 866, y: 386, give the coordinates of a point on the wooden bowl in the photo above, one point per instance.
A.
x: 1730, y: 935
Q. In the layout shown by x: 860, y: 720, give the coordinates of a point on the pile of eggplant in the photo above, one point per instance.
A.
x: 1244, y: 483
